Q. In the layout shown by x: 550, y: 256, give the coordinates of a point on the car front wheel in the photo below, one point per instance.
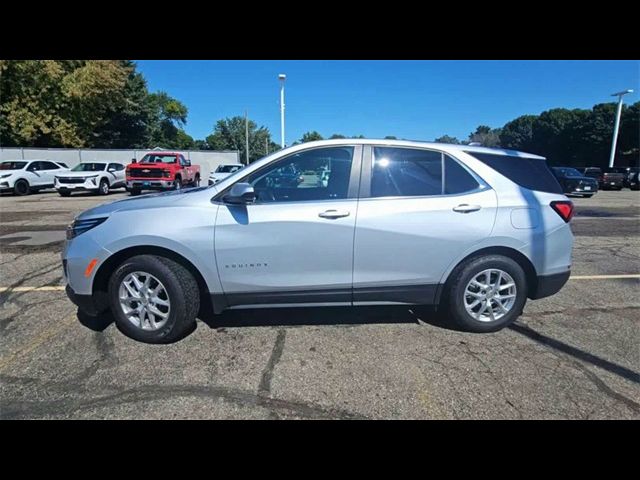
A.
x: 103, y: 189
x: 21, y: 187
x: 487, y: 293
x: 153, y: 299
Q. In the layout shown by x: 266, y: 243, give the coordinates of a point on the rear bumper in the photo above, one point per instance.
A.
x: 550, y: 284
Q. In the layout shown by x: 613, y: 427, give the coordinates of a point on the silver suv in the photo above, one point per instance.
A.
x: 473, y: 230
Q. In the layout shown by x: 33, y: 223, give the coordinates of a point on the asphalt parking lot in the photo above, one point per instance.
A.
x: 575, y: 355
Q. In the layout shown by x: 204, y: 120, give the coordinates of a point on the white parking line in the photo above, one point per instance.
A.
x: 602, y: 277
x: 57, y: 288
x: 50, y: 288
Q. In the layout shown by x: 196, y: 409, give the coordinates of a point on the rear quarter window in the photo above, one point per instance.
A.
x: 530, y: 173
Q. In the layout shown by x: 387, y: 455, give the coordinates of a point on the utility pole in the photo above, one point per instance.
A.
x: 246, y: 133
x: 614, y: 141
x: 282, y: 77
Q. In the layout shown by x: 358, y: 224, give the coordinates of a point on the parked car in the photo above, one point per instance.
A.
x: 223, y: 171
x: 161, y: 171
x: 97, y: 177
x: 474, y: 230
x: 574, y: 183
x: 25, y: 176
x: 608, y: 179
x: 634, y: 181
x: 628, y: 173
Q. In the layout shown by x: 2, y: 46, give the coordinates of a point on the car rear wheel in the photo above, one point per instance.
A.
x: 134, y: 192
x: 153, y: 299
x: 196, y: 181
x: 103, y: 189
x: 21, y: 187
x: 177, y: 184
x: 486, y: 294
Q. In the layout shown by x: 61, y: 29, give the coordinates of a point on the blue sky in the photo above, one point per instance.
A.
x: 418, y: 100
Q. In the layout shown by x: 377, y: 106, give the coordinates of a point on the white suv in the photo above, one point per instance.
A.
x: 223, y: 171
x: 475, y: 231
x: 97, y: 177
x: 25, y: 176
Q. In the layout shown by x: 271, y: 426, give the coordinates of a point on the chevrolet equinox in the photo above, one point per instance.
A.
x: 473, y: 230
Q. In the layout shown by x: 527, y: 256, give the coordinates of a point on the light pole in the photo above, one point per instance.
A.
x: 282, y: 77
x: 614, y: 141
x: 246, y: 134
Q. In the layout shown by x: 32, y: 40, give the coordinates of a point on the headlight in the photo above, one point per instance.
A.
x: 81, y: 226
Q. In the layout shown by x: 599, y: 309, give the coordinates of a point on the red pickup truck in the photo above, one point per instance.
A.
x: 161, y: 171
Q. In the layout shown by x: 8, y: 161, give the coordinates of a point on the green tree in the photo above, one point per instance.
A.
x: 390, y: 137
x: 336, y: 136
x: 168, y: 119
x: 554, y: 135
x: 448, y: 139
x: 129, y: 123
x: 310, y: 137
x: 629, y: 136
x: 485, y: 135
x: 73, y: 103
x: 229, y: 134
x: 518, y: 133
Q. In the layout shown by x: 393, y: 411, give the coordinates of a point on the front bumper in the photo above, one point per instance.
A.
x: 75, y: 188
x: 550, y: 284
x: 83, y: 302
x: 150, y: 184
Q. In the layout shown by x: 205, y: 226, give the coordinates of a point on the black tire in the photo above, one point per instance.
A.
x: 103, y: 188
x: 177, y: 184
x: 588, y: 196
x: 455, y: 293
x: 182, y: 291
x: 134, y: 192
x: 21, y: 187
x: 196, y: 181
x: 62, y: 193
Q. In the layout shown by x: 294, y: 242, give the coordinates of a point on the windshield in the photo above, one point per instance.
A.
x: 567, y: 172
x: 89, y: 167
x: 158, y: 158
x: 227, y: 168
x: 12, y: 165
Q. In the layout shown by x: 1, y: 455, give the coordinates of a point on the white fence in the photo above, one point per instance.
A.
x: 207, y: 159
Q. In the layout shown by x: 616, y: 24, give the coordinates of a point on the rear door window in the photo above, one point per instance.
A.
x: 406, y: 172
x: 530, y: 173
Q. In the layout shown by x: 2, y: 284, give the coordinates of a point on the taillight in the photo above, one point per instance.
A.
x: 564, y: 208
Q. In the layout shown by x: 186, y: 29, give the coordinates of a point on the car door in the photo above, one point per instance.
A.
x: 419, y: 210
x: 115, y: 174
x: 295, y: 243
x: 187, y: 170
x: 36, y: 175
x: 48, y: 171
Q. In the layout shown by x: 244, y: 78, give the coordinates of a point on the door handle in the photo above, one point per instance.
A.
x: 334, y: 214
x: 464, y: 208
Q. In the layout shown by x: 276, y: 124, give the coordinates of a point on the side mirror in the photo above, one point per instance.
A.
x: 241, y: 194
x: 133, y: 160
